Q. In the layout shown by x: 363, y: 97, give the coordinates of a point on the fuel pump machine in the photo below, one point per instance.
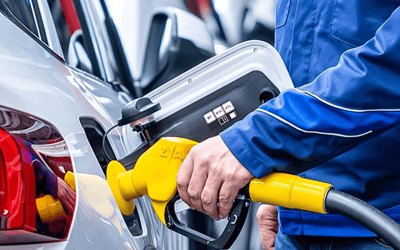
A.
x: 161, y: 127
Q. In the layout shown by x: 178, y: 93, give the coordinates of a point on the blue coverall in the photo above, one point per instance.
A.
x: 342, y: 120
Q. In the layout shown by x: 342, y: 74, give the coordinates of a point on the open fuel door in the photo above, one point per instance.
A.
x: 207, y: 99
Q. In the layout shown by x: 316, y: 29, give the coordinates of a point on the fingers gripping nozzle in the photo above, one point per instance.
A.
x: 154, y: 175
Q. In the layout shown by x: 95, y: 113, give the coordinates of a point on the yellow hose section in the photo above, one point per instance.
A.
x: 290, y: 191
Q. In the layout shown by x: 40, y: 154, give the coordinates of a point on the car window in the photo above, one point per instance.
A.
x: 55, y: 25
x: 64, y: 31
x: 21, y: 13
x: 33, y: 17
x: 82, y: 31
x: 76, y: 42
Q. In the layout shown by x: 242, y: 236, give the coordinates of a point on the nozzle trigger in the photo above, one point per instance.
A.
x: 236, y: 219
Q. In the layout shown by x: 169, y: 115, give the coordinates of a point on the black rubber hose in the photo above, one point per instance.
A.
x: 365, y: 214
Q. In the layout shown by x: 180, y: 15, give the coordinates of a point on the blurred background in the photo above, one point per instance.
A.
x: 228, y: 21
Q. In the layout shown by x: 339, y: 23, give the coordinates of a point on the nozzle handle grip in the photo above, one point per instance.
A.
x: 236, y: 219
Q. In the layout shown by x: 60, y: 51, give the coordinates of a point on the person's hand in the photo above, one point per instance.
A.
x: 267, y: 217
x: 210, y: 177
x: 66, y: 195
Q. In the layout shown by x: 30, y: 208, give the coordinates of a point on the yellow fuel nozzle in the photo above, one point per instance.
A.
x: 290, y: 191
x: 154, y: 175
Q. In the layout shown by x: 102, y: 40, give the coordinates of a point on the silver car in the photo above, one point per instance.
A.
x: 59, y: 94
x: 53, y: 116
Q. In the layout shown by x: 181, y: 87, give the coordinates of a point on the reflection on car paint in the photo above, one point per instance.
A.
x: 35, y: 160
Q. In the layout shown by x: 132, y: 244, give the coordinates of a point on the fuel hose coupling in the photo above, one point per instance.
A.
x: 154, y: 175
x: 290, y: 191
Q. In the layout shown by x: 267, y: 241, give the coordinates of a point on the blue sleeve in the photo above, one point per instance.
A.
x: 46, y: 181
x: 344, y: 106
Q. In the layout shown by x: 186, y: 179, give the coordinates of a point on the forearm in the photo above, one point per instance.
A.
x: 342, y: 107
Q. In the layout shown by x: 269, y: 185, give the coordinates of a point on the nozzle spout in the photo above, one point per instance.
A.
x: 154, y: 175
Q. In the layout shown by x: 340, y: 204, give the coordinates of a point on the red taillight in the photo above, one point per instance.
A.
x: 13, y: 202
x: 3, y: 180
x: 28, y: 174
